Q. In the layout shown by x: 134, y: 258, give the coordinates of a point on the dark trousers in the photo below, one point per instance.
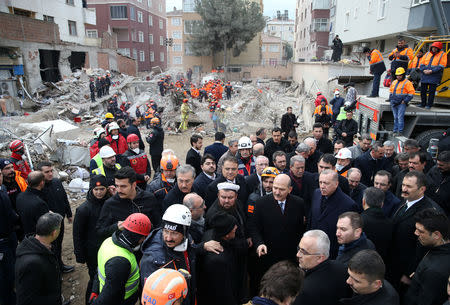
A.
x: 57, y: 245
x: 376, y: 84
x: 7, y: 262
x: 92, y: 270
x: 92, y: 96
x: 431, y: 90
x: 107, y: 90
x: 99, y: 93
x: 228, y: 95
x: 156, y: 159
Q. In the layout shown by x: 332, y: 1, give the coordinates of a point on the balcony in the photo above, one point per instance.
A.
x: 421, y: 17
x: 89, y: 16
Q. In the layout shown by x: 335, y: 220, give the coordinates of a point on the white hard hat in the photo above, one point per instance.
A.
x: 336, y: 92
x: 106, y: 152
x: 347, y: 103
x: 179, y: 214
x: 112, y: 126
x: 98, y: 131
x: 344, y: 153
x: 244, y: 143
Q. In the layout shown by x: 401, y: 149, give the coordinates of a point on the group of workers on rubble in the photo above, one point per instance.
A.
x: 100, y: 85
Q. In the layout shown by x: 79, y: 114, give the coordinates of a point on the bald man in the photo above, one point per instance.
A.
x: 277, y: 225
x: 328, y: 202
x: 258, y: 150
x: 197, y: 206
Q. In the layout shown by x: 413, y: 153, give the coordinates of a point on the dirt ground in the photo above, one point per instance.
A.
x: 74, y: 283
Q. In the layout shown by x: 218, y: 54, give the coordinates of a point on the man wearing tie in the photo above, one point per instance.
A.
x: 277, y: 225
x: 194, y: 156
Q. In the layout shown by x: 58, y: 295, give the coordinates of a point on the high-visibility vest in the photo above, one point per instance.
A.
x: 402, y: 88
x: 101, y: 170
x: 414, y: 63
x: 434, y: 60
x: 406, y: 51
x: 22, y: 183
x: 375, y: 57
x: 109, y: 250
x: 98, y: 160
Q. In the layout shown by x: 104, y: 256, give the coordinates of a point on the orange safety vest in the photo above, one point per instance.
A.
x: 21, y: 182
x: 415, y: 62
x: 405, y: 87
x: 439, y: 59
x: 408, y: 52
x: 375, y: 57
x: 319, y: 108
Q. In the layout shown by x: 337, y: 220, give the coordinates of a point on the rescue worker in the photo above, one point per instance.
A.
x: 109, y: 118
x: 155, y: 139
x: 12, y: 180
x: 103, y: 84
x: 138, y: 113
x: 161, y: 87
x: 96, y: 161
x: 336, y: 103
x: 98, y: 87
x: 401, y: 55
x: 184, y: 115
x: 109, y: 166
x: 17, y: 151
x: 165, y: 287
x: 165, y: 181
x: 264, y: 188
x: 319, y: 98
x: 401, y: 93
x: 118, y: 142
x: 351, y: 96
x: 432, y: 67
x: 377, y: 67
x: 118, y: 270
x: 137, y: 159
x: 228, y: 89
x: 99, y: 133
x: 344, y: 161
x: 107, y: 83
x: 246, y: 160
x: 414, y: 69
x: 323, y: 104
x: 92, y: 89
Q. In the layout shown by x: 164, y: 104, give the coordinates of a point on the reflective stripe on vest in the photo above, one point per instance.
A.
x: 101, y: 170
x: 98, y: 160
x: 430, y: 62
x: 109, y: 250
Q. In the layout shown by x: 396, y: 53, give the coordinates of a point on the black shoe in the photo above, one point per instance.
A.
x: 67, y: 269
x: 421, y: 106
x: 373, y: 96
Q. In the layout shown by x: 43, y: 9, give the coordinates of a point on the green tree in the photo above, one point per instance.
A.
x: 226, y: 24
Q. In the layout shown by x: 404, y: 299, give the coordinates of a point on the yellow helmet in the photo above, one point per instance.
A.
x: 109, y: 115
x: 400, y: 71
x: 270, y: 172
x: 164, y: 287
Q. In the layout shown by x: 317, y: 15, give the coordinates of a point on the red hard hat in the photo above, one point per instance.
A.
x: 437, y: 44
x: 15, y: 145
x: 319, y: 93
x: 138, y: 223
x: 132, y: 138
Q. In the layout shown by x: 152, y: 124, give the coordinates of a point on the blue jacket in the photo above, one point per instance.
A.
x: 216, y: 150
x: 391, y: 204
x: 369, y: 167
x: 336, y: 104
x: 201, y: 183
x: 336, y: 204
x: 436, y: 75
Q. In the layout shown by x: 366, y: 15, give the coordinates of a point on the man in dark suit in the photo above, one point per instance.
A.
x: 300, y: 180
x: 261, y: 135
x: 217, y: 149
x: 324, y: 145
x: 356, y: 187
x: 405, y: 253
x: 254, y: 180
x: 276, y: 143
x: 207, y: 175
x: 328, y: 202
x: 370, y: 163
x: 313, y: 155
x: 277, y: 225
x: 288, y: 122
x: 193, y: 156
x: 391, y: 203
x: 377, y: 226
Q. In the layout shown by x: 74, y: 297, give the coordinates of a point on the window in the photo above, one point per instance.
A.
x: 149, y: 3
x: 369, y: 6
x: 189, y: 26
x: 176, y: 21
x: 152, y: 56
x: 161, y: 56
x: 134, y: 53
x: 161, y: 24
x: 189, y: 6
x: 133, y: 35
x: 140, y: 17
x: 177, y: 60
x: 320, y: 4
x: 140, y: 1
x: 118, y: 12
x: 382, y: 5
x: 150, y: 38
x: 141, y: 56
x: 49, y: 18
x: 91, y: 33
x: 150, y: 20
x: 355, y: 15
x: 176, y: 47
x: 417, y: 2
x: 263, y: 48
x: 141, y: 36
x: 347, y: 20
x: 132, y: 13
x: 70, y: 2
x: 320, y: 25
x: 160, y: 7
x: 161, y: 41
x: 72, y: 28
x: 274, y: 48
x: 187, y: 49
x: 176, y: 34
x: 124, y: 51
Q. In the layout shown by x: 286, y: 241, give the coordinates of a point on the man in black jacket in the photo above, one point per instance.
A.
x: 197, y: 206
x: 370, y: 163
x: 324, y: 145
x: 431, y: 275
x: 377, y: 226
x: 156, y: 141
x: 183, y: 186
x: 300, y: 180
x: 366, y: 278
x: 350, y: 236
x: 346, y: 129
x: 277, y: 224
x: 254, y: 180
x: 412, y: 146
x: 134, y: 129
x: 38, y: 277
x: 194, y: 156
x: 356, y: 187
x: 320, y: 271
x: 127, y: 200
x: 313, y: 155
x: 391, y: 203
x: 440, y: 175
x: 207, y: 175
x: 405, y: 254
x: 288, y: 122
x: 59, y: 203
x: 277, y: 142
x: 85, y: 240
x: 31, y: 204
x: 261, y: 134
x: 217, y: 149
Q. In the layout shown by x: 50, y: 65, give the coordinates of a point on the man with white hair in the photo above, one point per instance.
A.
x: 320, y: 271
x: 390, y: 154
x: 314, y: 155
x: 254, y: 180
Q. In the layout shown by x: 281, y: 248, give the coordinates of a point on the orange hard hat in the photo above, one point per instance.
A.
x: 138, y: 223
x: 169, y: 162
x: 132, y: 138
x: 154, y: 121
x: 185, y: 100
x: 164, y: 287
x: 437, y: 44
